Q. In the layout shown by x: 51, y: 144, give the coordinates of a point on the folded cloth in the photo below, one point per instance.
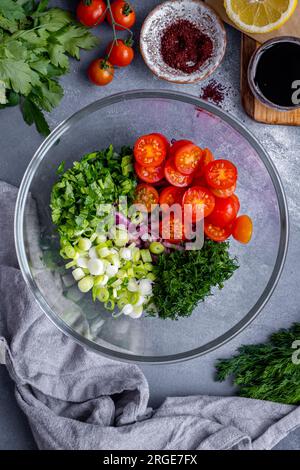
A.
x: 76, y: 399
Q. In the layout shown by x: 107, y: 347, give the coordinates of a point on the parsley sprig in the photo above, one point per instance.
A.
x: 35, y: 45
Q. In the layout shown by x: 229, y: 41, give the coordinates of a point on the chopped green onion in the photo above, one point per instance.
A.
x: 84, y: 244
x: 146, y: 256
x: 102, y: 294
x: 109, y: 305
x: 86, y: 284
x: 156, y: 248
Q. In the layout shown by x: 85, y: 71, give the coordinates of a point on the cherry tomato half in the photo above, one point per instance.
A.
x: 150, y: 150
x: 225, y: 211
x: 123, y: 15
x: 187, y: 158
x: 177, y: 145
x: 150, y: 174
x: 119, y: 53
x: 172, y: 228
x: 221, y: 174
x: 146, y: 195
x: 201, y: 198
x: 101, y: 72
x: 91, y: 13
x: 215, y: 233
x: 207, y: 157
x: 242, y: 229
x: 170, y: 196
x: 223, y: 193
x: 175, y: 177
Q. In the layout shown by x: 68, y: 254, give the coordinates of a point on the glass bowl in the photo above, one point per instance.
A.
x: 120, y: 119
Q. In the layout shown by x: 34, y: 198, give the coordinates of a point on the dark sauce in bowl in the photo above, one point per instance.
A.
x: 277, y: 71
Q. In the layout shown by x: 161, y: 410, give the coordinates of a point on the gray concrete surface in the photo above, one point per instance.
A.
x: 19, y: 142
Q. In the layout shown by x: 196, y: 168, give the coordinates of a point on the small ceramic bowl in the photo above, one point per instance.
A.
x: 169, y: 12
x: 252, y: 69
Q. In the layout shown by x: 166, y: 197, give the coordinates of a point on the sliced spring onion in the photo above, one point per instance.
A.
x: 84, y: 244
x: 156, y: 248
x: 95, y: 266
x: 102, y: 294
x: 146, y: 256
x: 104, y: 252
x: 82, y: 262
x: 101, y: 280
x: 109, y: 305
x: 101, y: 238
x: 86, y: 284
x: 78, y: 274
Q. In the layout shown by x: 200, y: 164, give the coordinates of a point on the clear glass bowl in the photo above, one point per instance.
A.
x: 120, y: 119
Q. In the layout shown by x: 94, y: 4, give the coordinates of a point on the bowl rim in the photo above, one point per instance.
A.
x: 175, y: 79
x: 198, y: 103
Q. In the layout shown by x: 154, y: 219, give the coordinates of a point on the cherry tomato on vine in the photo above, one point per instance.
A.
x: 150, y: 174
x: 91, y: 12
x: 120, y: 53
x: 101, y: 72
x: 225, y: 211
x: 221, y: 174
x: 199, y: 198
x: 215, y: 233
x: 123, y: 15
x: 150, y: 150
x: 242, y: 229
x: 146, y: 195
x: 187, y: 158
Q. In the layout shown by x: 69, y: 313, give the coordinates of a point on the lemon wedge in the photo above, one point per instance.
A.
x: 259, y: 16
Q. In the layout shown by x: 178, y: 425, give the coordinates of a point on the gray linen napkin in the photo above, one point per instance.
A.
x: 75, y: 399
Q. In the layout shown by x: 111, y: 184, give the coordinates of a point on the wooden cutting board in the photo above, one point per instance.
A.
x: 254, y: 108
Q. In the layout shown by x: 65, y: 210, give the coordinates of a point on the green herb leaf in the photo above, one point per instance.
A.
x: 73, y: 37
x: 17, y: 75
x: 266, y: 371
x: 32, y: 114
x: 11, y: 10
x: 187, y: 277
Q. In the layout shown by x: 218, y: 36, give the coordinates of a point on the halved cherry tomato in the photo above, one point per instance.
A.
x: 150, y: 150
x: 163, y: 137
x: 236, y: 202
x: 120, y: 53
x: 215, y: 233
x: 221, y: 174
x: 187, y: 158
x: 224, y: 192
x: 207, y: 157
x: 91, y: 13
x: 225, y: 211
x: 175, y: 177
x: 176, y: 146
x: 170, y: 196
x: 123, y: 15
x: 146, y: 195
x: 150, y: 174
x: 200, y: 197
x: 242, y: 229
x: 172, y: 228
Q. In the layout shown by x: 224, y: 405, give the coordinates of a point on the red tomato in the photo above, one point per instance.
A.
x: 225, y: 211
x: 101, y: 72
x: 207, y: 157
x: 221, y: 174
x: 200, y: 197
x: 175, y: 177
x: 236, y: 202
x: 119, y: 53
x: 176, y: 146
x: 215, y: 233
x: 92, y: 12
x: 146, y: 195
x: 150, y: 150
x: 150, y: 174
x: 172, y: 228
x: 122, y: 14
x: 242, y: 229
x: 187, y: 158
x: 224, y: 192
x: 170, y: 196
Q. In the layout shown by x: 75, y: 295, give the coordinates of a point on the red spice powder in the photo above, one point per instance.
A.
x: 214, y: 92
x: 184, y: 47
